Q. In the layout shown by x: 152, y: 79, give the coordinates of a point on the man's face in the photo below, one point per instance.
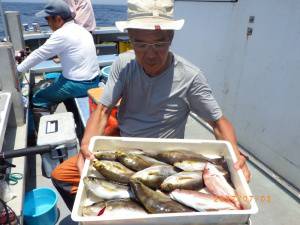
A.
x: 151, y: 49
x: 54, y: 22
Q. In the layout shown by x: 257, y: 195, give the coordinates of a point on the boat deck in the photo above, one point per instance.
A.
x: 276, y: 205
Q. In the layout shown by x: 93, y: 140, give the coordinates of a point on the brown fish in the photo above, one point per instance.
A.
x: 156, y: 202
x: 183, y: 180
x: 92, y: 172
x: 114, y: 171
x: 135, y: 151
x: 175, y: 156
x: 153, y: 176
x: 132, y: 161
x: 105, y: 155
x: 111, y: 154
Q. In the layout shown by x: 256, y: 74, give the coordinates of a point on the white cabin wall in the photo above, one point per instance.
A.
x: 254, y: 79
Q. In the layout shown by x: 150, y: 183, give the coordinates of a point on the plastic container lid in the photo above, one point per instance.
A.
x: 57, y: 129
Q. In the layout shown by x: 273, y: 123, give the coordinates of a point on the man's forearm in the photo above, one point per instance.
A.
x: 223, y: 130
x: 95, y: 124
x: 52, y: 47
x: 29, y: 62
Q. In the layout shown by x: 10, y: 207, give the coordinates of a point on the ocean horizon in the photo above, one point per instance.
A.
x: 105, y: 15
x: 101, y: 2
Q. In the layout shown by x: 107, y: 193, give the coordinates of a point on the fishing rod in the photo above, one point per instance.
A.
x: 52, y: 149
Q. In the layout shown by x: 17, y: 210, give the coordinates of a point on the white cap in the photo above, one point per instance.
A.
x: 150, y: 15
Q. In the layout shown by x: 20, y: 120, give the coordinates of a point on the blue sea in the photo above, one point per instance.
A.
x: 105, y: 15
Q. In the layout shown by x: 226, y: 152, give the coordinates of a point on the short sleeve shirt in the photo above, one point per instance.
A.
x: 159, y: 106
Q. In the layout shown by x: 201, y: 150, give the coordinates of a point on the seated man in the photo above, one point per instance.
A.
x: 75, y: 47
x: 158, y: 90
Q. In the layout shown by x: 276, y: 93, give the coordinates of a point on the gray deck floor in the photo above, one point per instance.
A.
x: 282, y: 209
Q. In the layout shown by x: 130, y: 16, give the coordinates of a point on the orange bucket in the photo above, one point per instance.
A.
x: 94, y: 96
x: 112, y: 127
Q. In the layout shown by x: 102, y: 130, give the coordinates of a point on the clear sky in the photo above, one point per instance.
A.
x: 117, y: 2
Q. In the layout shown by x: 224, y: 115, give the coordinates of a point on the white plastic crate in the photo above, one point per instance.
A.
x: 206, y: 147
x: 57, y: 130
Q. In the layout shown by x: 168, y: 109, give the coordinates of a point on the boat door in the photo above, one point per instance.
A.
x: 249, y: 51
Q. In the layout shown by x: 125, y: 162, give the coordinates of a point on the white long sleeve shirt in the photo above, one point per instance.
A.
x: 75, y: 47
x: 84, y: 13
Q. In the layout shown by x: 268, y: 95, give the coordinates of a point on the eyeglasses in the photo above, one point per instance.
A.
x: 144, y: 46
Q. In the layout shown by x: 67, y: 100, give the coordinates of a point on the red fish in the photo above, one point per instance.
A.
x: 201, y: 201
x: 217, y: 184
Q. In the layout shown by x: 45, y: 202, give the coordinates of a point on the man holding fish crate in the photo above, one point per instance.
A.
x: 157, y: 88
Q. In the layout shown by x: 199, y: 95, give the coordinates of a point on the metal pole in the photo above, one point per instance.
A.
x: 10, y: 83
x: 4, y: 22
x: 14, y: 29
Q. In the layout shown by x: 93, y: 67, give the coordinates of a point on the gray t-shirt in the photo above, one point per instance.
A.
x: 159, y: 106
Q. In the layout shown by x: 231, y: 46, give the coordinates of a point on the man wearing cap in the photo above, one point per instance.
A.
x: 158, y: 88
x: 75, y: 47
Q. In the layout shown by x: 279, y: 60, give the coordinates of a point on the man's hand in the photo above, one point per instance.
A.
x: 20, y: 56
x: 83, y: 154
x: 86, y: 153
x: 241, y: 164
x: 56, y: 60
